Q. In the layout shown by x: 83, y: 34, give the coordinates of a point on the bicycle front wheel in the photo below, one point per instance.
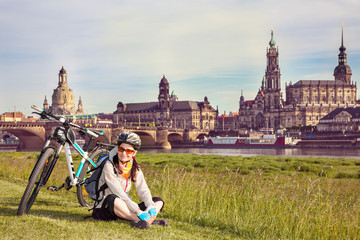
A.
x: 82, y: 196
x: 36, y: 181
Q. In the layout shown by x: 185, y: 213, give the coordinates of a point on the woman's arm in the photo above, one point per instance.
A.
x: 115, y: 187
x: 142, y: 189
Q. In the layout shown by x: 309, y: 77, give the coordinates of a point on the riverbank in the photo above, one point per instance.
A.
x: 330, y: 140
x: 206, y: 196
x: 9, y: 147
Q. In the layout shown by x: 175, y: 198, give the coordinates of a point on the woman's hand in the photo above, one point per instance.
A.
x: 151, y: 210
x: 143, y: 215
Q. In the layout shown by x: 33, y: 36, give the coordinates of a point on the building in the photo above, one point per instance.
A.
x: 307, y: 101
x: 227, y: 122
x: 341, y: 120
x: 63, y: 98
x: 167, y: 112
x: 13, y: 117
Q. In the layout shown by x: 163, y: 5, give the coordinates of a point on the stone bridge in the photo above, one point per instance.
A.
x: 32, y: 135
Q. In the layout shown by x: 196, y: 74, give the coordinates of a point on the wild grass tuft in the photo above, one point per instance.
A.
x: 206, y: 197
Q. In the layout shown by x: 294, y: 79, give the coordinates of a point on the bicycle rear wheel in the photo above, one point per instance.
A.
x: 82, y: 196
x: 36, y: 181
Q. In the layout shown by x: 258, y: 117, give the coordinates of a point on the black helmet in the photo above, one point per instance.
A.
x: 129, y: 138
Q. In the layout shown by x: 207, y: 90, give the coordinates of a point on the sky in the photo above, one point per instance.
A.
x: 118, y: 50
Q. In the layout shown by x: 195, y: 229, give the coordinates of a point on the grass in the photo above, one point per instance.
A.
x: 206, y: 197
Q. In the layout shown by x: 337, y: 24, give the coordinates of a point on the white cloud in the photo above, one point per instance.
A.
x: 118, y: 50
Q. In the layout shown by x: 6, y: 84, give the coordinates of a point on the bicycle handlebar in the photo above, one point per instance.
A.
x: 91, y: 133
x: 63, y: 120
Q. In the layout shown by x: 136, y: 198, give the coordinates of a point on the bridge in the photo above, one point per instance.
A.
x: 32, y: 135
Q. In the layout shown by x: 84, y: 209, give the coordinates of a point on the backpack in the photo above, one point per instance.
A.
x: 92, y: 183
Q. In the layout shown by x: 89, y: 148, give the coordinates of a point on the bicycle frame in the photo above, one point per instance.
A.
x: 60, y: 135
x: 63, y: 138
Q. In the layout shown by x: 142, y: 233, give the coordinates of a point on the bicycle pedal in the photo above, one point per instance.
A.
x: 52, y: 188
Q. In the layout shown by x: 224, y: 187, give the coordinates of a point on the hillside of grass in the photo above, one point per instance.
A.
x: 206, y: 197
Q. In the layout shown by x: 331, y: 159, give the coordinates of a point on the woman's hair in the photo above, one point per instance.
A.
x: 135, y: 167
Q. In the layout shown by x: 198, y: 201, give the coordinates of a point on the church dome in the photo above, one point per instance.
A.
x: 272, y: 42
x: 164, y: 80
x: 342, y: 69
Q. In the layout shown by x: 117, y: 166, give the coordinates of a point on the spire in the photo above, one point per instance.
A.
x: 342, y: 48
x: 45, y: 105
x: 342, y: 55
x: 342, y: 71
x: 173, y: 96
x: 80, y: 107
x: 263, y: 83
x: 272, y: 40
x: 242, y: 96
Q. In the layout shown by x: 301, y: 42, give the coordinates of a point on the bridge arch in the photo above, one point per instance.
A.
x: 29, y: 140
x: 147, y: 140
x: 175, y: 137
x: 201, y: 136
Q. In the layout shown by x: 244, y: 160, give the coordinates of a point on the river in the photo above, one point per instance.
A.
x: 247, y: 152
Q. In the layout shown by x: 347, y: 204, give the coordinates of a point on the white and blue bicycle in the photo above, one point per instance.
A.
x: 63, y: 138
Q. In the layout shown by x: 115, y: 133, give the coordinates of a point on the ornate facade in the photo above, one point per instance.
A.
x: 63, y: 98
x: 341, y: 120
x: 167, y: 112
x: 307, y: 101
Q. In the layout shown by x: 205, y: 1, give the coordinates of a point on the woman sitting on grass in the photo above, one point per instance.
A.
x: 116, y: 203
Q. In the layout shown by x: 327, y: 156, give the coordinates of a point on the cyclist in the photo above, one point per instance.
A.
x: 116, y: 202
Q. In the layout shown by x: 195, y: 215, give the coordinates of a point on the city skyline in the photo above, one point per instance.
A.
x: 119, y: 51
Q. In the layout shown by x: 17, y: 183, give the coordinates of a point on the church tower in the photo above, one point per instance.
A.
x: 164, y: 101
x: 242, y: 104
x: 80, y: 107
x: 164, y: 96
x: 45, y: 105
x: 63, y: 97
x: 272, y: 86
x: 342, y: 72
x: 272, y: 74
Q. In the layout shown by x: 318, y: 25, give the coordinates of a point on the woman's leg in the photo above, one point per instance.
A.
x: 121, y: 210
x: 158, y: 207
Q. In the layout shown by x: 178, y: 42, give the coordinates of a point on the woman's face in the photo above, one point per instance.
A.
x: 125, y: 154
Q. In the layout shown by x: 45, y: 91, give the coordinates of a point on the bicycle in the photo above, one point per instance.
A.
x: 64, y: 138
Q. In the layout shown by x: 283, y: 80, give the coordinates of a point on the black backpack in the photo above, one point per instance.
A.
x: 92, y: 183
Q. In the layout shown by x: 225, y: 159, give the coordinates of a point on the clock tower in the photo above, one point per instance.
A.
x: 272, y: 88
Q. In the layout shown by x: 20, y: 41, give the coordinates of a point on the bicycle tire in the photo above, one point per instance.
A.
x: 83, y: 199
x: 36, y: 181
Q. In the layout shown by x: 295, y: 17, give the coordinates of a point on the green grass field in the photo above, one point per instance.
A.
x: 206, y: 197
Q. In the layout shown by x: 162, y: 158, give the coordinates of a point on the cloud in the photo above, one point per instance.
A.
x: 118, y: 50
